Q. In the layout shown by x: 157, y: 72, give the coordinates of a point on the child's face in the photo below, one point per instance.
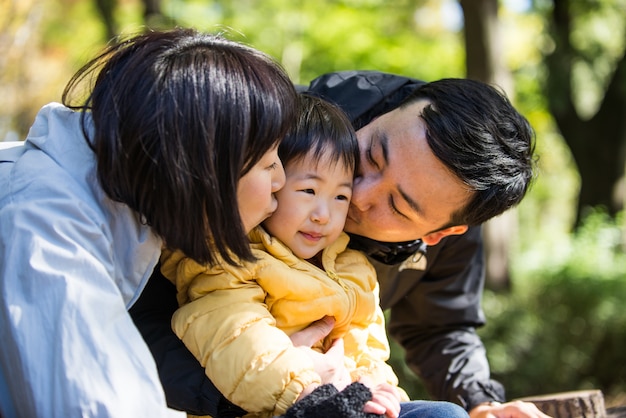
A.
x: 313, y: 205
x: 255, y: 190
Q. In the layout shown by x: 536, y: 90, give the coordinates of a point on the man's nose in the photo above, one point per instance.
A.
x: 364, y: 192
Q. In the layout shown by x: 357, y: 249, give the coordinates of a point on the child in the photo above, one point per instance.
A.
x: 237, y: 320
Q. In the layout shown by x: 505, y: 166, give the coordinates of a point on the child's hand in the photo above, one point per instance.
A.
x: 385, y: 399
x: 330, y: 365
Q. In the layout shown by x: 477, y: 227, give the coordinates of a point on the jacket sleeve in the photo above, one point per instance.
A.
x: 69, y: 347
x: 229, y: 329
x: 436, y: 321
x: 370, y: 358
x: 186, y: 385
x: 365, y: 342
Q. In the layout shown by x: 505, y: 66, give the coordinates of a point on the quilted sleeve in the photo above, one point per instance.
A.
x: 229, y: 329
x: 366, y: 344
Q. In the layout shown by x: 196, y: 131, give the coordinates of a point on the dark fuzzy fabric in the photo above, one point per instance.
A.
x: 327, y: 401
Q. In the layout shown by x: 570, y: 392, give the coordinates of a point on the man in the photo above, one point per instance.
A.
x: 433, y: 167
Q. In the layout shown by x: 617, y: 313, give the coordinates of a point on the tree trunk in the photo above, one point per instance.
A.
x: 598, y: 144
x: 484, y: 63
x: 153, y: 15
x: 106, y: 8
x: 577, y: 404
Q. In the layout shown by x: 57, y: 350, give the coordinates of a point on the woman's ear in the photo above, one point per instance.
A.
x: 434, y: 237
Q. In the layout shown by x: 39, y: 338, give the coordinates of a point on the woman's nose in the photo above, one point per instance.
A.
x: 278, y: 178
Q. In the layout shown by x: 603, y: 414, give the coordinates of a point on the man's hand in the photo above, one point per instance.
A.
x: 515, y: 409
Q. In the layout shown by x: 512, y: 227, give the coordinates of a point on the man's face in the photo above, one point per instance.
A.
x: 402, y: 191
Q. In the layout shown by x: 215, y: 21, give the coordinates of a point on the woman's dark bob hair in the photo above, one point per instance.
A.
x: 178, y: 117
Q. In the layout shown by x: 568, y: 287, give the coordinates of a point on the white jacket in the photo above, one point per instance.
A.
x: 71, y: 263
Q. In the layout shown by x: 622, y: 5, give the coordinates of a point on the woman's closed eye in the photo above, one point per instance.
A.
x: 370, y: 158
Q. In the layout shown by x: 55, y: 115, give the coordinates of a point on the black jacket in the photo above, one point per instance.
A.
x: 434, y: 311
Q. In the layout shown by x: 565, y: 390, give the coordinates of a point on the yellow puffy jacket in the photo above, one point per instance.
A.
x: 237, y: 320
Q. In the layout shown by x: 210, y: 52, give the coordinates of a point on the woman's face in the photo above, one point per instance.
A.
x: 255, y: 191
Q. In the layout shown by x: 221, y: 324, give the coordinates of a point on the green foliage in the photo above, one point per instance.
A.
x: 74, y: 29
x: 598, y: 33
x: 564, y: 326
x: 311, y: 38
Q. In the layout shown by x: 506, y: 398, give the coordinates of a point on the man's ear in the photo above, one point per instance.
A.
x: 434, y: 237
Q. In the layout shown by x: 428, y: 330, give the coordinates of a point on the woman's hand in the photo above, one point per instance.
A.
x: 515, y: 409
x: 315, y: 332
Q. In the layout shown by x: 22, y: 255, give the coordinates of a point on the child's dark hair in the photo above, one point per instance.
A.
x: 178, y: 117
x: 322, y: 129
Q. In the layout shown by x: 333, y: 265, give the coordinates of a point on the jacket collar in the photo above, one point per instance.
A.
x: 386, y: 252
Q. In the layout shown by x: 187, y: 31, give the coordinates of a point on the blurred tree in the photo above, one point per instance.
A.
x: 20, y: 24
x: 586, y: 93
x: 483, y: 47
x: 106, y: 8
x: 152, y: 15
x: 485, y: 62
x: 312, y: 38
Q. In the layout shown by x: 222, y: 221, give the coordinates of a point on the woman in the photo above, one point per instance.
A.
x: 156, y: 155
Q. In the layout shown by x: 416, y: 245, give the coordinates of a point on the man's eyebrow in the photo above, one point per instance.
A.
x: 412, y: 203
x: 383, y: 139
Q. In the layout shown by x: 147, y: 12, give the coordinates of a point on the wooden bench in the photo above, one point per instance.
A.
x: 577, y: 404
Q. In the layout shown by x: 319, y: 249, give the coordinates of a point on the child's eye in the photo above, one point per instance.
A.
x: 308, y: 191
x: 273, y: 166
x: 342, y: 197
